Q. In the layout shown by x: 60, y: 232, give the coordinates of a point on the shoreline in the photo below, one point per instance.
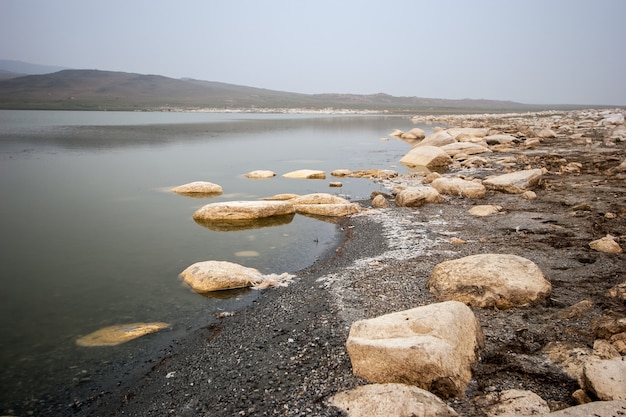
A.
x: 285, y: 354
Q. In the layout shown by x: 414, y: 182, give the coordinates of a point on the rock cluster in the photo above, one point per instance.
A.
x: 482, y: 157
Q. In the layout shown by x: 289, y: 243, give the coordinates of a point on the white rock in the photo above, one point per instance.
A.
x: 484, y: 210
x: 198, y: 187
x: 613, y: 119
x: 393, y: 400
x: 437, y: 139
x: 418, y: 196
x: 260, y: 174
x: 414, y: 134
x: 594, y: 409
x: 282, y: 197
x: 432, y: 347
x: 209, y: 276
x: 478, y: 132
x: 467, y: 148
x: 515, y: 402
x: 380, y: 201
x: 514, y: 182
x: 606, y: 244
x: 306, y: 174
x: 489, y: 280
x: 318, y: 198
x: 546, y: 133
x: 606, y: 378
x: 500, y: 139
x: 427, y: 156
x: 459, y: 187
x: 331, y: 210
x: 243, y: 210
x: 341, y: 172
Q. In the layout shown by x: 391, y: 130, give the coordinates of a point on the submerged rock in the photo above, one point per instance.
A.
x: 198, y: 188
x: 432, y: 347
x: 260, y: 174
x: 306, y: 174
x: 118, y: 334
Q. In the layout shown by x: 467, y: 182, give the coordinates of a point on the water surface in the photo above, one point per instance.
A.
x: 91, y: 236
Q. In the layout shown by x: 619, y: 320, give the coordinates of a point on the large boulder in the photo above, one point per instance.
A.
x: 417, y: 196
x: 243, y: 210
x: 466, y: 148
x: 427, y: 156
x: 414, y: 134
x: 605, y: 378
x: 391, y: 400
x: 209, y: 276
x: 306, y: 174
x: 437, y: 139
x: 198, y: 188
x: 459, y: 187
x: 489, y: 280
x: 432, y: 347
x: 514, y: 182
x: 118, y: 334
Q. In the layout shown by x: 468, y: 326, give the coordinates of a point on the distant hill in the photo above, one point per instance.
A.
x: 100, y: 90
x: 24, y: 68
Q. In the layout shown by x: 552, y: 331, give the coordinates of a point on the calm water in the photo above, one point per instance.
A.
x: 91, y: 236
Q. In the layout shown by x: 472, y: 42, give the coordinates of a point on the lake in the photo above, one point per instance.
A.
x: 92, y: 236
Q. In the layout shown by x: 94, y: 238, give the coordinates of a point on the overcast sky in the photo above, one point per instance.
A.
x: 531, y: 51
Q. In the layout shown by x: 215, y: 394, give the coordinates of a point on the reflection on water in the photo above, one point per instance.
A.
x: 89, y: 239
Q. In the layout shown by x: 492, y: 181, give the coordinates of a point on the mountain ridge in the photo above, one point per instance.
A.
x: 74, y: 89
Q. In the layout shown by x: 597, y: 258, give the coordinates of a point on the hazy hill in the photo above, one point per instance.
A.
x: 96, y: 90
x: 24, y: 68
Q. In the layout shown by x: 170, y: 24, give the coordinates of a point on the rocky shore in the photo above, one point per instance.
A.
x: 562, y: 208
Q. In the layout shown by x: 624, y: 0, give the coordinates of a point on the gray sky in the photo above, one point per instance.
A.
x: 531, y: 51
